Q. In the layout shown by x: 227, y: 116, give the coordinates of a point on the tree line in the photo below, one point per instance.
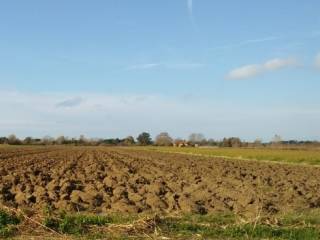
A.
x: 162, y: 139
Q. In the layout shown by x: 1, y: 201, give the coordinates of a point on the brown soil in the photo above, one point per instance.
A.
x: 104, y: 180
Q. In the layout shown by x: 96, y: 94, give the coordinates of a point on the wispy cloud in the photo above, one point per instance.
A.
x: 177, y: 66
x: 247, y: 42
x: 72, y: 102
x: 253, y: 70
x: 143, y: 66
x: 184, y: 65
x: 315, y: 33
x: 243, y: 72
x: 317, y: 61
x: 278, y: 63
x: 259, y: 40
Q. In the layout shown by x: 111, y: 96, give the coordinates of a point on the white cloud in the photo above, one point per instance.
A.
x: 91, y: 114
x: 105, y: 115
x: 317, y: 61
x: 279, y: 63
x: 245, y: 72
x: 253, y: 70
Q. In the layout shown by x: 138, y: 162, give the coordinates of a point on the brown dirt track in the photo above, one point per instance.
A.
x: 104, y: 180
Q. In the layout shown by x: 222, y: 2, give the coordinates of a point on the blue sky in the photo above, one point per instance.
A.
x: 118, y: 67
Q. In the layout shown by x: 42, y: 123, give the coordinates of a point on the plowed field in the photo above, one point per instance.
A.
x: 104, y: 180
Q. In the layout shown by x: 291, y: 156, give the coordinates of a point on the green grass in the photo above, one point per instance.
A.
x: 247, y: 231
x: 75, y: 224
x: 310, y: 218
x: 79, y: 224
x: 298, y: 156
x: 7, y: 224
x: 294, y: 226
x: 225, y: 227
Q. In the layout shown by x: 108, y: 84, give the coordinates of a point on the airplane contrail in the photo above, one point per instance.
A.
x: 190, y: 12
x: 190, y: 7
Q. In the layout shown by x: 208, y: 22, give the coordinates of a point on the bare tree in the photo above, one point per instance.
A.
x: 276, y: 140
x: 82, y: 139
x: 12, y: 139
x: 164, y: 139
x: 47, y: 140
x: 196, y: 138
x: 61, y: 140
x: 257, y: 142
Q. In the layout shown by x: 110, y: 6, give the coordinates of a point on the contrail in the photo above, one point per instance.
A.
x: 190, y: 12
x: 190, y: 7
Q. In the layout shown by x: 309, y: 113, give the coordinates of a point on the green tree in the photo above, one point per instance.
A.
x: 144, y: 139
x: 27, y: 140
x: 129, y: 140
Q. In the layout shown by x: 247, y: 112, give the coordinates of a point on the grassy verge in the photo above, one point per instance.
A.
x: 79, y: 224
x: 297, y: 156
x: 219, y: 226
x: 294, y: 226
x: 226, y: 227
